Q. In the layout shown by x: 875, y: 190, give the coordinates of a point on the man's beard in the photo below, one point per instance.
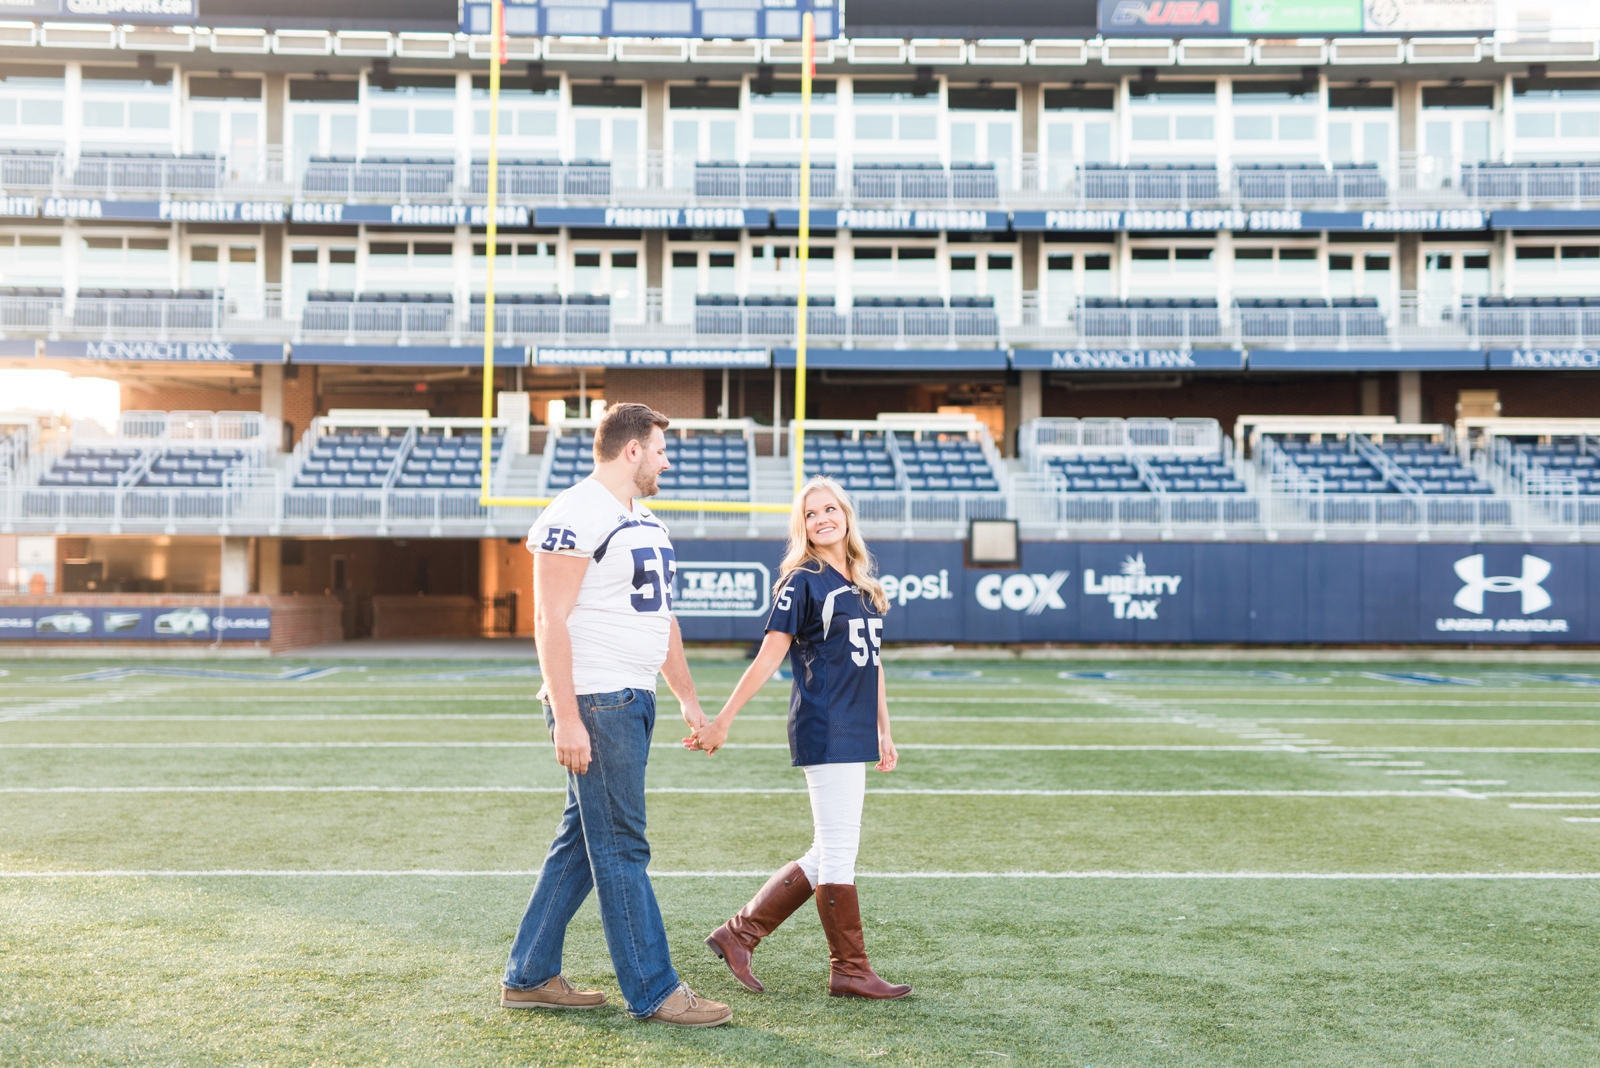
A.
x: 644, y: 481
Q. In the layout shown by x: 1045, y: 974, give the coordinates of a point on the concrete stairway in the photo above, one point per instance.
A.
x: 523, y: 478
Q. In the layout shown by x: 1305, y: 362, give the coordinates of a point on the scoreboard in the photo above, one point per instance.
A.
x: 740, y: 19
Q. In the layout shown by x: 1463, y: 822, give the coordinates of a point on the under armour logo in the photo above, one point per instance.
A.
x: 1534, y: 597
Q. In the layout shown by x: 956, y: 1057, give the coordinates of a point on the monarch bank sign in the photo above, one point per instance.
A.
x: 164, y: 351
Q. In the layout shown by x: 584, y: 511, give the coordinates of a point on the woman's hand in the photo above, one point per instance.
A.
x: 888, y: 757
x: 713, y: 735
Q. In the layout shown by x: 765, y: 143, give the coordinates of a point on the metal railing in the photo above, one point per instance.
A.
x: 157, y: 317
x: 379, y: 178
x: 543, y: 320
x: 1578, y: 327
x: 358, y: 321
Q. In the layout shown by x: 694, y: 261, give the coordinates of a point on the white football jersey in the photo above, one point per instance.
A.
x: 622, y: 621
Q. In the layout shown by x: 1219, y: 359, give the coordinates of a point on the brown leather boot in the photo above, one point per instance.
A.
x: 735, y: 940
x: 852, y: 976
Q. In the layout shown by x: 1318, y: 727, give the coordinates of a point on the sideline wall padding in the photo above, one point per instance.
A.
x: 1195, y: 592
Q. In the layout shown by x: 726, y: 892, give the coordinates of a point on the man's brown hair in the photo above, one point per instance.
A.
x: 621, y: 424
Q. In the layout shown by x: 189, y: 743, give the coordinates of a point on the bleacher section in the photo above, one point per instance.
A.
x: 1131, y: 456
x: 93, y: 466
x: 437, y: 461
x: 709, y: 458
x: 856, y: 460
x: 178, y: 467
x: 938, y: 462
x: 1566, y: 463
x: 901, y: 451
x: 359, y: 460
x: 1406, y: 460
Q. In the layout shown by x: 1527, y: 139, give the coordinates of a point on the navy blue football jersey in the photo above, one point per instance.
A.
x: 833, y: 708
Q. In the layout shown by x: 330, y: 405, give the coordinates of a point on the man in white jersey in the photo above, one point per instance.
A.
x: 602, y: 581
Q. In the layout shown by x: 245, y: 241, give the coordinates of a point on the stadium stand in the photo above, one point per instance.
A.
x: 1111, y: 455
x: 713, y: 459
x: 1409, y: 459
x: 904, y: 452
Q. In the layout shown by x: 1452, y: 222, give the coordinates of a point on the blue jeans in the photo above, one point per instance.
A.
x: 601, y: 844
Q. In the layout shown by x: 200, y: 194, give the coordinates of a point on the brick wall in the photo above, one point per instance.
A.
x: 167, y: 396
x: 300, y: 403
x: 506, y: 566
x: 680, y: 393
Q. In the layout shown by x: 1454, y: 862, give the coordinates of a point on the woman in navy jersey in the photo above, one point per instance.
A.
x: 827, y: 615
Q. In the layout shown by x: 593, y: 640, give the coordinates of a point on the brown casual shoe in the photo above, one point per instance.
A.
x: 683, y: 1009
x: 852, y: 976
x: 553, y: 993
x: 775, y: 902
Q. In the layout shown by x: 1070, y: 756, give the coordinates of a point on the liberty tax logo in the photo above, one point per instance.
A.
x: 1129, y: 593
x: 1529, y: 586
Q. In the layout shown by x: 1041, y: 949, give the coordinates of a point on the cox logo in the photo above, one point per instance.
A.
x: 1022, y: 592
x: 903, y: 588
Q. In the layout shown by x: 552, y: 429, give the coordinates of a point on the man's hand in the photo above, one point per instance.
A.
x: 713, y: 735
x: 572, y: 746
x: 888, y: 757
x: 693, y: 715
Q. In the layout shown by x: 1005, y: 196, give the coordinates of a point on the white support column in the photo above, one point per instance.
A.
x: 1410, y: 397
x: 235, y: 566
x: 1032, y: 396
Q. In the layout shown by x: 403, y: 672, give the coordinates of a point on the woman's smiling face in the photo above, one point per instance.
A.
x: 825, y: 521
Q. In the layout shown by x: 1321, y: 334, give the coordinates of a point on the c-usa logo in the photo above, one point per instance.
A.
x: 1534, y: 571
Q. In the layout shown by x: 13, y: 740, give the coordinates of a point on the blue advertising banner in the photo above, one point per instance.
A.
x: 1127, y: 359
x: 1544, y: 220
x: 406, y: 355
x: 18, y: 346
x: 896, y: 359
x: 165, y: 351
x: 1544, y: 359
x: 219, y: 211
x: 1259, y: 592
x: 1212, y: 219
x: 408, y: 214
x: 134, y: 623
x: 612, y: 357
x: 651, y: 18
x: 1366, y: 360
x: 931, y: 219
x: 656, y: 218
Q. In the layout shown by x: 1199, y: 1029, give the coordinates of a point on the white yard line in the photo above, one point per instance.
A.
x: 407, y: 873
x: 879, y: 792
x: 1552, y: 806
x: 1284, y: 747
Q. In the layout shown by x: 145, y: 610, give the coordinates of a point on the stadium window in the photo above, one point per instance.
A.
x: 916, y: 260
x: 1080, y: 99
x: 1297, y: 260
x: 876, y: 259
x: 595, y: 95
x: 388, y: 255
x: 324, y: 91
x: 1536, y: 258
x: 1150, y: 260
x: 417, y: 104
x: 963, y: 276
x: 224, y: 88
x: 1469, y: 97
x: 1252, y: 261
x: 520, y: 121
x: 1192, y: 260
x: 981, y: 99
x: 342, y: 269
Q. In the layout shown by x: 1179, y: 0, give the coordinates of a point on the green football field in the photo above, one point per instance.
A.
x: 1160, y: 864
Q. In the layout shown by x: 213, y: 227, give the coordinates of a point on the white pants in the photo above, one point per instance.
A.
x: 837, y: 793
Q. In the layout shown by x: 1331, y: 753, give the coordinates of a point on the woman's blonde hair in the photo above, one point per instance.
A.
x: 860, y: 568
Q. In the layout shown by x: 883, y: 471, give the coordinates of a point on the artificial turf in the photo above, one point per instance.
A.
x: 1101, y: 800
